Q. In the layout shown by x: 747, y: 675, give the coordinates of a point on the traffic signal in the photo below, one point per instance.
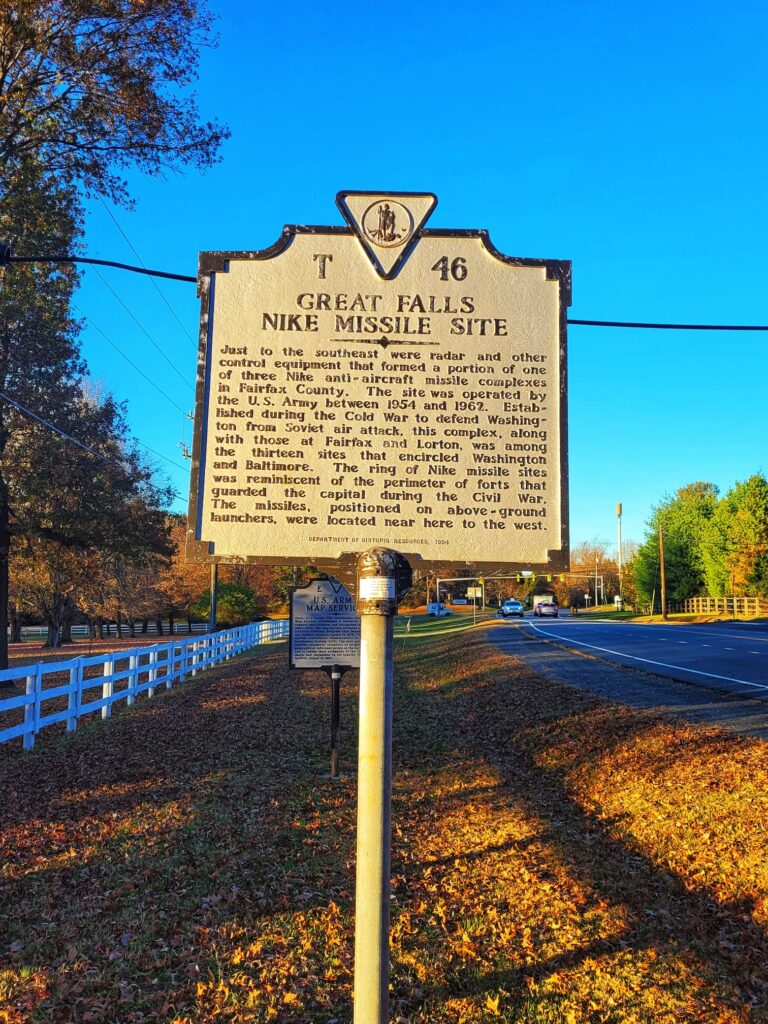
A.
x: 549, y: 579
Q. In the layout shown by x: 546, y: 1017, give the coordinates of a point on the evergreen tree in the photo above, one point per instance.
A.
x: 88, y: 88
x: 236, y: 604
x: 40, y: 366
x: 683, y: 518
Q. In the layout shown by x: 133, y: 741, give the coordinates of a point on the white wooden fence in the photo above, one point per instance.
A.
x: 110, y: 630
x: 119, y: 675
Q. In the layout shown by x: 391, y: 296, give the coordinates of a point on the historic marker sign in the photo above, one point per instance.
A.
x: 381, y: 384
x: 325, y: 627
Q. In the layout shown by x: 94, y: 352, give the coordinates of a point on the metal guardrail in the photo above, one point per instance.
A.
x: 119, y: 675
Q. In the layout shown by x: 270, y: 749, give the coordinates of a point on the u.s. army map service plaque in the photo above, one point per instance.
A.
x: 324, y: 627
x: 381, y: 384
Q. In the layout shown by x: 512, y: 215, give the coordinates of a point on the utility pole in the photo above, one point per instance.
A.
x: 214, y: 596
x: 597, y: 563
x: 663, y: 576
x: 618, y: 514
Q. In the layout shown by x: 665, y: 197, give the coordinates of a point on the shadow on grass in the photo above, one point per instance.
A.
x: 137, y: 850
x: 512, y: 720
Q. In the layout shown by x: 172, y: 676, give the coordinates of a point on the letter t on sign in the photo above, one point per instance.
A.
x: 324, y: 259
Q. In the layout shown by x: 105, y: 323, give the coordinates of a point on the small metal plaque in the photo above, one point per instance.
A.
x: 324, y: 628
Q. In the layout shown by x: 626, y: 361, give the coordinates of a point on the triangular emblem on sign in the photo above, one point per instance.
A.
x: 387, y: 224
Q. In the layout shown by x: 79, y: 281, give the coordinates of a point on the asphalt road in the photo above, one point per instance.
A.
x: 726, y: 656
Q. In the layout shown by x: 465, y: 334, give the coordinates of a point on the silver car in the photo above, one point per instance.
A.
x: 546, y: 608
x: 511, y: 607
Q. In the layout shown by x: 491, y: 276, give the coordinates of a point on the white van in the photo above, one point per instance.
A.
x: 438, y: 608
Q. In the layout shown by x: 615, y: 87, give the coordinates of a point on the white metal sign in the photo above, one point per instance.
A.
x: 381, y: 384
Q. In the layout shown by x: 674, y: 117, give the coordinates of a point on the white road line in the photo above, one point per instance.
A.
x: 648, y: 661
x: 682, y: 641
x: 706, y: 645
x: 729, y: 648
x: 690, y: 629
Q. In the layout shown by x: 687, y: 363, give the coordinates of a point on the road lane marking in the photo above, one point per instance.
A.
x: 729, y: 648
x: 690, y: 629
x: 648, y: 661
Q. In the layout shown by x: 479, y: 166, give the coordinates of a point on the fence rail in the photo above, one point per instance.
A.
x: 727, y: 605
x: 110, y: 630
x: 63, y: 691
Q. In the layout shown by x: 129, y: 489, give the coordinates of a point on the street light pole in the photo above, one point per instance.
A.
x: 618, y: 514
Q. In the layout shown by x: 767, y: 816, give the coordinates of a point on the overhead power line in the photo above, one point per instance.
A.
x: 6, y: 258
x: 670, y: 327
x: 143, y: 329
x: 155, y: 285
x: 58, y: 430
x: 73, y: 440
x: 129, y: 360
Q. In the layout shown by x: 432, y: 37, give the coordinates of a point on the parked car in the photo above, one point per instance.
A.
x: 511, y: 607
x: 546, y: 608
x: 438, y: 609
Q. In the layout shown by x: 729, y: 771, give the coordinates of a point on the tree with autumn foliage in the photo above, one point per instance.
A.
x: 40, y: 366
x: 735, y: 543
x: 89, y: 88
x: 180, y: 582
x: 72, y: 503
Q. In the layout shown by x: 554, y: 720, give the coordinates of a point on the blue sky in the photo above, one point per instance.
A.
x: 630, y: 139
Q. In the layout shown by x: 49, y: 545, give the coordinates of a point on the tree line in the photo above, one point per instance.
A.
x: 713, y: 545
x: 62, y: 585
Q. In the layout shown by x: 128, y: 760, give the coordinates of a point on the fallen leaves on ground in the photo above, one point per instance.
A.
x: 555, y: 859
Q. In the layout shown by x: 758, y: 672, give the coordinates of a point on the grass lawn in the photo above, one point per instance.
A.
x: 672, y: 617
x: 555, y: 859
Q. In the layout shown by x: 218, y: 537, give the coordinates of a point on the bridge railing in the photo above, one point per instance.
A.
x: 65, y: 691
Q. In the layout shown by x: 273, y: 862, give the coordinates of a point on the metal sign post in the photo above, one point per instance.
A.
x: 336, y: 675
